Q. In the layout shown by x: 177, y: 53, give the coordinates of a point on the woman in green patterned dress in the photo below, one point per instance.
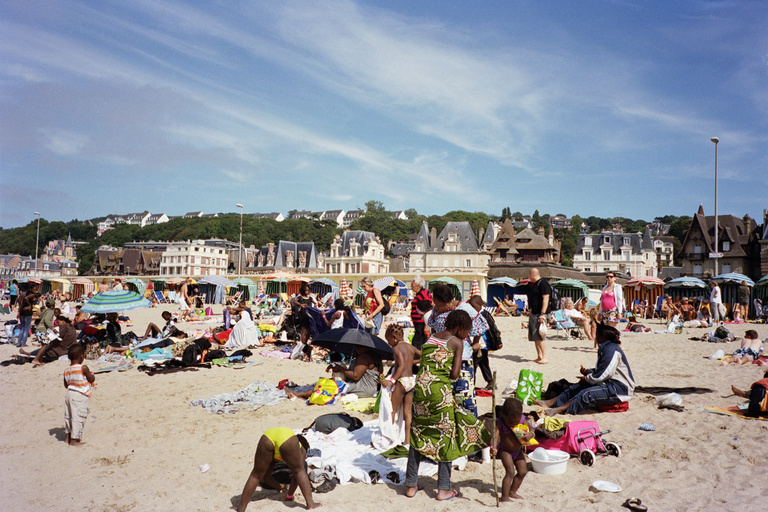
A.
x: 442, y: 430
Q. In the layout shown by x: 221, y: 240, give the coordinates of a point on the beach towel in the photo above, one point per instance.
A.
x: 244, y: 334
x: 736, y: 410
x: 391, y: 423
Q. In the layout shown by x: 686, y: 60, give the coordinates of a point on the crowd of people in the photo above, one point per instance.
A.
x: 433, y: 378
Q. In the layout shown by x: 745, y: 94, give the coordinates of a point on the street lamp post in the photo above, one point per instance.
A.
x: 37, y: 240
x: 240, y: 249
x: 717, y: 245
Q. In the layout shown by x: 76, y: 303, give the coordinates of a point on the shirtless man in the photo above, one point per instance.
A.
x: 751, y: 348
x: 402, y: 377
x: 686, y: 308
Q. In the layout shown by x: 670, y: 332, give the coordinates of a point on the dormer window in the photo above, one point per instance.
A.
x: 726, y: 245
x: 606, y: 240
x: 626, y: 240
x: 588, y: 241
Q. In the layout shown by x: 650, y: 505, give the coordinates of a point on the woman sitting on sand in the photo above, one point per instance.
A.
x: 610, y: 382
x: 363, y: 379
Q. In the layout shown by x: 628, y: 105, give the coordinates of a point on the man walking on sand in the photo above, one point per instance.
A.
x: 539, y: 292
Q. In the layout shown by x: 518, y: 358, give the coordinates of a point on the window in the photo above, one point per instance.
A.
x: 726, y: 268
x: 697, y: 269
x: 606, y: 239
x: 726, y: 245
x: 607, y: 255
x: 469, y: 263
x: 626, y: 240
x: 697, y: 249
x: 588, y: 241
x: 587, y: 255
x: 626, y: 255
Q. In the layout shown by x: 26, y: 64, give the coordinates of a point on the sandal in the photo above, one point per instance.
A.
x: 454, y: 494
x: 418, y: 488
x: 635, y: 504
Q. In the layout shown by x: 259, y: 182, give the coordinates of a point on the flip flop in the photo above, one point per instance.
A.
x: 454, y: 494
x: 635, y: 504
x: 419, y: 487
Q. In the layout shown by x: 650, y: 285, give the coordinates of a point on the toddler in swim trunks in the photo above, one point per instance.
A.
x: 401, y: 376
x: 751, y: 348
x: 509, y: 448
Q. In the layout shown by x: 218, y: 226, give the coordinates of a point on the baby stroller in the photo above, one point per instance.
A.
x: 583, y: 439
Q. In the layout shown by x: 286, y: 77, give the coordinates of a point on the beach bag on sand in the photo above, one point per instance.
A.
x: 529, y: 385
x: 325, y: 392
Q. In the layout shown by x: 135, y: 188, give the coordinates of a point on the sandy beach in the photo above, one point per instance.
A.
x: 144, y: 443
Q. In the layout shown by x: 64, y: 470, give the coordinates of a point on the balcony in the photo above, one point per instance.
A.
x: 695, y: 256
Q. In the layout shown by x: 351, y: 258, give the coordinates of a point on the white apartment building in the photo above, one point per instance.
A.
x: 193, y: 258
x: 629, y: 253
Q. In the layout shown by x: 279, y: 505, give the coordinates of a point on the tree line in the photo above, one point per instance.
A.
x: 259, y: 232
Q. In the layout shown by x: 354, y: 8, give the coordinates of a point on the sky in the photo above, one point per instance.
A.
x: 601, y: 108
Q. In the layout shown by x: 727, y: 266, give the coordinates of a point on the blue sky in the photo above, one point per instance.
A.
x: 594, y: 108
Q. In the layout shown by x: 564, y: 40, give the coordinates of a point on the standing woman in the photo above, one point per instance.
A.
x: 611, y: 301
x: 14, y: 290
x: 441, y: 429
x: 421, y: 303
x: 715, y: 300
x: 299, y: 305
x: 374, y: 303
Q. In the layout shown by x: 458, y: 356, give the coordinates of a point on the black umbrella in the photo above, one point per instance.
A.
x: 345, y: 340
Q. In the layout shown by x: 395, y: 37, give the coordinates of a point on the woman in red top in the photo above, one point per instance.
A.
x: 373, y: 305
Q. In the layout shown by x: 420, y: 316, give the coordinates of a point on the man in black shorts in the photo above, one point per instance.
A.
x: 539, y: 292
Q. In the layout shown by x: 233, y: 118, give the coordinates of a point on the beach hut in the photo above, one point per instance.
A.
x: 500, y: 287
x: 690, y: 287
x: 213, y: 288
x: 571, y: 288
x: 136, y: 285
x: 82, y: 286
x: 646, y: 288
x: 454, y: 285
x: 322, y: 286
x: 760, y: 290
x: 249, y: 288
x: 277, y: 286
x: 729, y: 288
x: 293, y: 285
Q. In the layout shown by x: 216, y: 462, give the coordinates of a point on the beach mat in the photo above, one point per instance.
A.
x: 733, y: 411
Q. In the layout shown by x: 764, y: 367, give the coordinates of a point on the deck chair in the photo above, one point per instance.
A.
x: 490, y: 309
x: 562, y: 323
x: 236, y: 298
x: 760, y: 313
x: 160, y: 297
x: 502, y: 309
x: 657, y: 310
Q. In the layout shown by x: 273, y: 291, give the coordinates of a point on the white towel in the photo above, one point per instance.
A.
x: 391, y: 433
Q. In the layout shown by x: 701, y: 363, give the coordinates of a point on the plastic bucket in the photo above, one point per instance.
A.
x: 549, y: 462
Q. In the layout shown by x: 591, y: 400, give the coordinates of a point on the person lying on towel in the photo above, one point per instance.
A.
x: 610, y: 382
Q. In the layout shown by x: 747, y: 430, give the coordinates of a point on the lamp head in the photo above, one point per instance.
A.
x: 239, y: 205
x: 37, y: 213
x: 715, y: 140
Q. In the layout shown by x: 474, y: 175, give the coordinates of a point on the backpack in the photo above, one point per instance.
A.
x: 327, y: 423
x: 722, y: 332
x: 554, y: 300
x: 387, y: 308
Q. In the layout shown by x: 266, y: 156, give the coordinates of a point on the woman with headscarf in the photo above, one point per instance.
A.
x: 244, y: 334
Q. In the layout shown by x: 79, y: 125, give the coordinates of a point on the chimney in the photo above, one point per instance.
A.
x: 480, y: 235
x: 541, y: 230
x: 432, y: 235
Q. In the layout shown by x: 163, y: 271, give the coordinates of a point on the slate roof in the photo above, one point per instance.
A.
x: 465, y: 236
x: 616, y: 242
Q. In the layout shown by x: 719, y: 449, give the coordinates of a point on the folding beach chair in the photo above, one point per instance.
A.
x: 160, y: 297
x: 562, y: 323
x: 760, y: 313
x: 502, y: 308
x: 490, y: 309
x: 657, y: 310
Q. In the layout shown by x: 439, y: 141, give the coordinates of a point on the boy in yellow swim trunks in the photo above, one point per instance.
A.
x: 402, y: 377
x: 279, y: 444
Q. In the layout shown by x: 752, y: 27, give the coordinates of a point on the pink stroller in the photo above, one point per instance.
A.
x: 584, y: 439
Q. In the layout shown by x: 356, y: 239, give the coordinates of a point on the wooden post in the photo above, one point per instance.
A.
x: 493, y: 437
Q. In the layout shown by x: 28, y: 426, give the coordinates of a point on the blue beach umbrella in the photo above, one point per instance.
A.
x: 733, y: 277
x: 114, y: 301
